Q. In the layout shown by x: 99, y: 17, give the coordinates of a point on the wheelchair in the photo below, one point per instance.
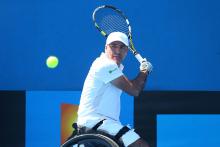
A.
x: 84, y: 137
x: 90, y: 140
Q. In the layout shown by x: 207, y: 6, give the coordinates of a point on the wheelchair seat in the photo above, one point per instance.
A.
x: 91, y: 137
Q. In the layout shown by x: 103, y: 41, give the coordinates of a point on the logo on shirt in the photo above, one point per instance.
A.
x: 110, y: 71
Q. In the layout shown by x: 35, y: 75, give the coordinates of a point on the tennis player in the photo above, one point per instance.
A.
x: 100, y: 99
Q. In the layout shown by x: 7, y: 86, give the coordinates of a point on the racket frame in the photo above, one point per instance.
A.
x: 131, y: 46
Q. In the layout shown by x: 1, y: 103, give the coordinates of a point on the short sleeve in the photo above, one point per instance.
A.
x: 108, y: 72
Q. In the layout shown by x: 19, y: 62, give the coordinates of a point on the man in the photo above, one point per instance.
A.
x: 100, y: 99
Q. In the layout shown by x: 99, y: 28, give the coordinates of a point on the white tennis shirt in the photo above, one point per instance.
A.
x: 99, y: 97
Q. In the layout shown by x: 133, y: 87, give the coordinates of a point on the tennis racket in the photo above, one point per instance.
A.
x: 108, y: 19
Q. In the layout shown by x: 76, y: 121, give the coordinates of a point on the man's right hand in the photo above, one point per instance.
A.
x: 146, y: 66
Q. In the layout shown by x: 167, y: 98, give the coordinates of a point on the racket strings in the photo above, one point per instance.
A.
x: 113, y: 24
x: 111, y: 21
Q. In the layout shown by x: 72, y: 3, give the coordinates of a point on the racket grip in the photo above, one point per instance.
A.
x: 139, y: 58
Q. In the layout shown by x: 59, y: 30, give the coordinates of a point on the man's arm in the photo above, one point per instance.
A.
x: 132, y: 87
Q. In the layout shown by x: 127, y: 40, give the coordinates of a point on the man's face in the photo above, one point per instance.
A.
x: 116, y: 51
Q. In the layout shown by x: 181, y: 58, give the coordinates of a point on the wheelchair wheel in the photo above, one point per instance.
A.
x: 90, y: 140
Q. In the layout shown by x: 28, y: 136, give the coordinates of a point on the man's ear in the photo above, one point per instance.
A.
x: 105, y: 47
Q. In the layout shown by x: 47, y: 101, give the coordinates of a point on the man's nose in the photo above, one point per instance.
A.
x: 117, y: 50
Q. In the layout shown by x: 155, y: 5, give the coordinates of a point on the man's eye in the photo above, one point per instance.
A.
x: 117, y: 46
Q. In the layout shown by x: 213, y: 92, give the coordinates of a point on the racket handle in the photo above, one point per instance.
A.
x: 139, y: 58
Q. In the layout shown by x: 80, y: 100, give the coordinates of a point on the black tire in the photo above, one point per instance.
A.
x: 91, y: 140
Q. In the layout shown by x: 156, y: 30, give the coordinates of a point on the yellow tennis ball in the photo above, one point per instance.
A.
x: 52, y: 62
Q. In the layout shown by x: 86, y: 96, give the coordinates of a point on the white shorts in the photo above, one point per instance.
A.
x: 112, y: 127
